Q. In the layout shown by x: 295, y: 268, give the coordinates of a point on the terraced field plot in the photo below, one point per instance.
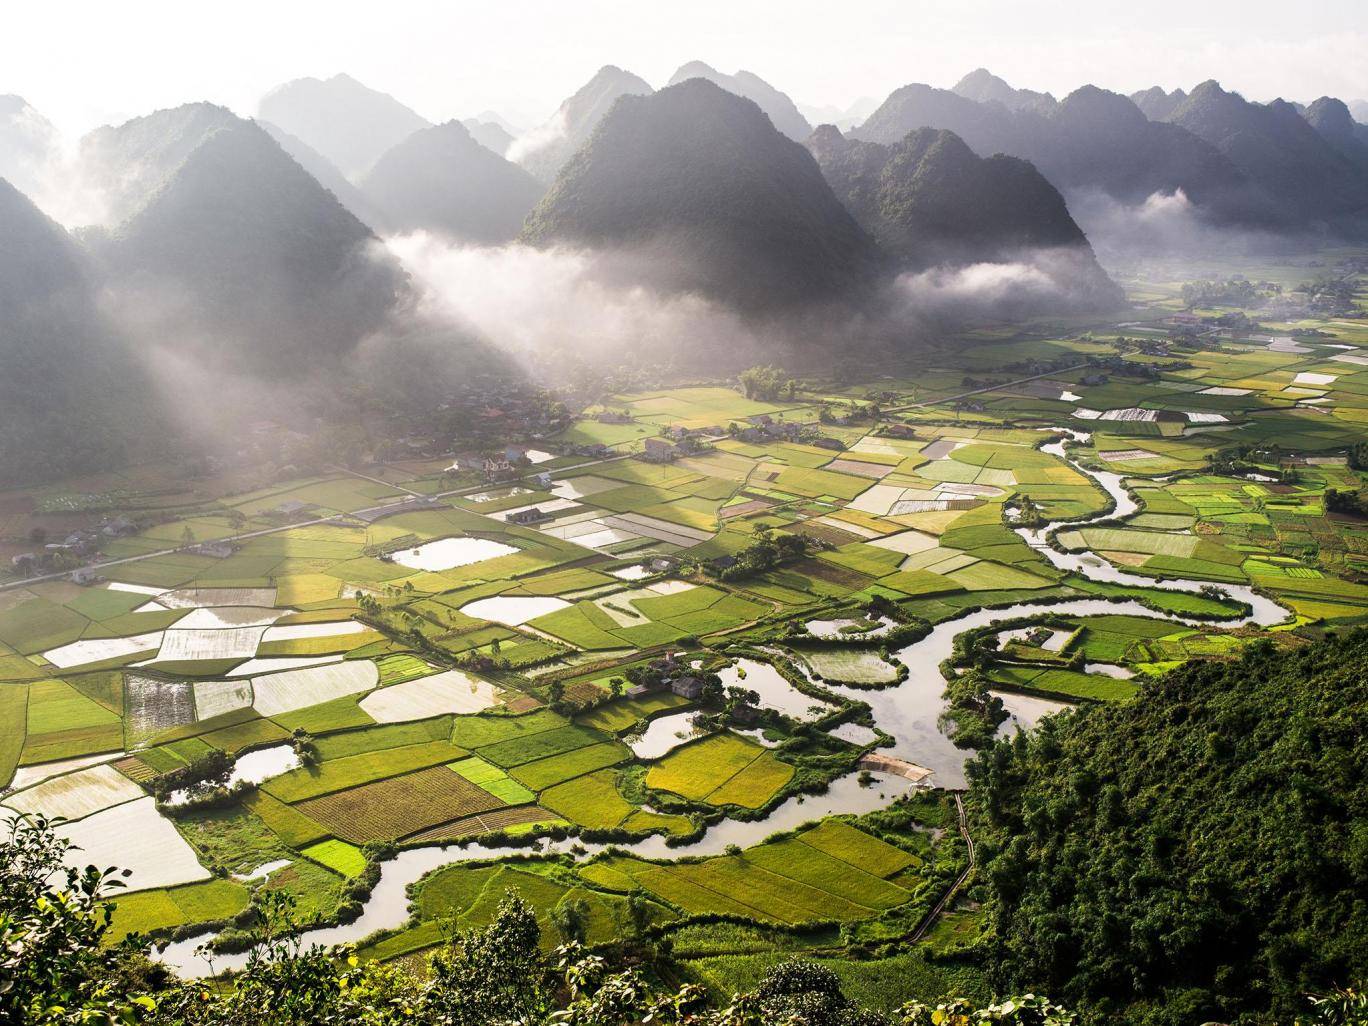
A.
x: 398, y: 806
x: 819, y: 875
x: 721, y: 770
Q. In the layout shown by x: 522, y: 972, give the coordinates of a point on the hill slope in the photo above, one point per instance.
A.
x: 983, y: 86
x: 489, y: 134
x: 349, y: 123
x: 1198, y: 853
x: 1333, y: 123
x: 325, y: 172
x: 727, y: 206
x: 126, y: 164
x: 544, y: 150
x: 780, y: 108
x: 1275, y: 147
x: 442, y: 180
x: 1156, y: 103
x: 70, y: 391
x: 240, y: 248
x: 931, y: 200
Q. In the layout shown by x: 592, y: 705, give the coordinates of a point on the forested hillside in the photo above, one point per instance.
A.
x: 1199, y: 853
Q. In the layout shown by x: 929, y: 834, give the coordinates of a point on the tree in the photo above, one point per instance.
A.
x: 491, y: 975
x: 762, y: 382
x: 53, y: 920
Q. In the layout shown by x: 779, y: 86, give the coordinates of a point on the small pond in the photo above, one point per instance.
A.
x: 513, y: 610
x: 775, y: 692
x: 446, y: 553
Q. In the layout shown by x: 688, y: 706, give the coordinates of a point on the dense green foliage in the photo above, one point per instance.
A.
x: 1200, y: 852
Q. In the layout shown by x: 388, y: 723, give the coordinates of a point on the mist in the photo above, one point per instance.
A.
x: 1168, y: 224
x: 545, y: 306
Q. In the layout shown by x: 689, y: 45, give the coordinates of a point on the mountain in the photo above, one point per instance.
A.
x: 1280, y: 152
x: 930, y: 200
x: 1156, y: 103
x: 489, y: 134
x: 1091, y: 141
x: 982, y: 86
x: 442, y: 180
x: 781, y: 110
x: 699, y: 183
x: 1195, y: 854
x: 544, y: 150
x: 238, y: 249
x: 29, y: 145
x: 72, y: 398
x: 325, y: 172
x: 349, y: 123
x: 125, y: 165
x: 1333, y: 123
x: 987, y: 128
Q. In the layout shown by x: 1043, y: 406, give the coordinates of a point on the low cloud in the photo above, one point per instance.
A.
x: 544, y: 307
x: 1166, y: 224
x: 1030, y: 282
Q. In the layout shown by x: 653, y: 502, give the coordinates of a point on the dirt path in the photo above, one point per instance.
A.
x: 944, y: 903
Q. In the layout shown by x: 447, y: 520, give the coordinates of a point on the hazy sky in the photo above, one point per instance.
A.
x: 86, y: 62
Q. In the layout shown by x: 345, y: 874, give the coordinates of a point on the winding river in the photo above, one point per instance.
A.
x: 909, y: 711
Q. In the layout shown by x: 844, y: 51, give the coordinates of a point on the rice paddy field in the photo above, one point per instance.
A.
x: 454, y: 674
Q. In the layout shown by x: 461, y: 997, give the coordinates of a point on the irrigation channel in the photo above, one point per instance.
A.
x: 909, y: 711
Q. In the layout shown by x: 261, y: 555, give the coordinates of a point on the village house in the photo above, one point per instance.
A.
x: 744, y: 714
x: 528, y: 516
x: 687, y: 687
x: 657, y: 450
x: 116, y: 526
x: 215, y: 549
x: 497, y: 468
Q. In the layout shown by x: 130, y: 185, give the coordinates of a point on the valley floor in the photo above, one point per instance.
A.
x: 403, y: 657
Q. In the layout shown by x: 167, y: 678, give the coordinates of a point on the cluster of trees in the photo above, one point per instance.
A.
x: 57, y: 970
x: 767, y: 383
x: 766, y: 552
x: 1239, y: 292
x: 1198, y: 854
x: 209, y: 770
x: 1346, y: 500
x: 973, y: 710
